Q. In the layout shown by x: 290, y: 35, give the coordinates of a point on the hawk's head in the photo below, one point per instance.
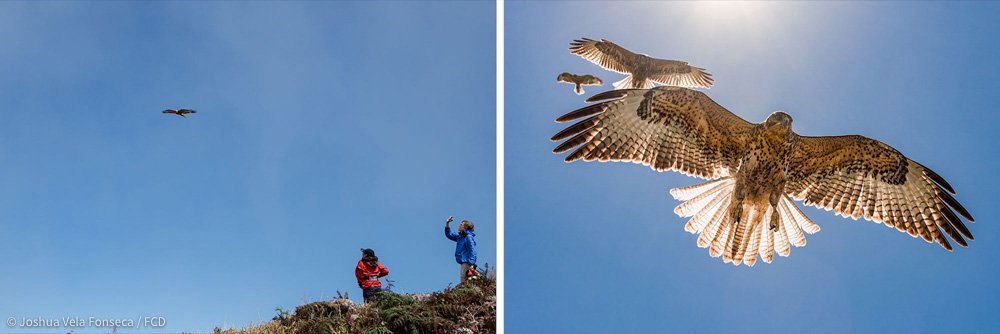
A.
x: 778, y: 119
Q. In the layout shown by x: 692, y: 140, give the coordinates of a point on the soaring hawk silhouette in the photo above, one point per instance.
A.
x: 579, y: 80
x: 641, y: 70
x: 179, y: 112
x: 757, y: 169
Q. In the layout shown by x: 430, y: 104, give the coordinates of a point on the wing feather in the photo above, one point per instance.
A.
x: 666, y: 128
x: 604, y: 53
x: 679, y: 73
x: 858, y: 177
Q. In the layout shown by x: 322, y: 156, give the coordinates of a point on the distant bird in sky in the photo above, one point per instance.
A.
x: 579, y: 80
x: 757, y: 169
x: 180, y: 112
x: 641, y: 70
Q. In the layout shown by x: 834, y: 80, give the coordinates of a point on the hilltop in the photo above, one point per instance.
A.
x: 468, y: 308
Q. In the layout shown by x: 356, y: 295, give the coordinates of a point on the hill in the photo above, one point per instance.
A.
x: 468, y: 308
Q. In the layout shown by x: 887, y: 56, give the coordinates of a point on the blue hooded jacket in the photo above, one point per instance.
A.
x: 465, y: 246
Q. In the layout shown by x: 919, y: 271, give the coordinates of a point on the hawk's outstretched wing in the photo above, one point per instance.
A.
x: 858, y: 177
x: 666, y: 128
x: 590, y: 80
x: 605, y: 53
x: 565, y: 77
x: 679, y: 73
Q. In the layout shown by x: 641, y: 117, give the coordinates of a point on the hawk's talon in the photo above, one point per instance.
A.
x: 735, y: 213
x: 774, y: 222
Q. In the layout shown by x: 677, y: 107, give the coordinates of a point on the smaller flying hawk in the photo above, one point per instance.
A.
x: 578, y: 80
x: 179, y: 112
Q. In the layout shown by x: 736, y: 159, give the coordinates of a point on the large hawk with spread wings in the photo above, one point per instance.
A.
x: 641, y: 70
x: 755, y: 170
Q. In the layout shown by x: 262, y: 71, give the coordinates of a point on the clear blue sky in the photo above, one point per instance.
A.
x: 595, y: 247
x: 321, y: 128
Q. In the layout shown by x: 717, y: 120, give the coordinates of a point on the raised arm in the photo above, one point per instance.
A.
x: 449, y: 234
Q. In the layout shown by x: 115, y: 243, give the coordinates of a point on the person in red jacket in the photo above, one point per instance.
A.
x: 368, y: 271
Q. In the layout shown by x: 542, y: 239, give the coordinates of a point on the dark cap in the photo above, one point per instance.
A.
x: 368, y: 251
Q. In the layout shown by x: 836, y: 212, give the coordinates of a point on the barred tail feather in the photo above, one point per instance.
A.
x: 696, y: 204
x: 767, y: 238
x: 708, y: 204
x: 715, y: 227
x: 719, y: 242
x: 710, y: 212
x: 686, y: 193
x: 792, y: 231
x: 804, y: 222
x: 750, y: 252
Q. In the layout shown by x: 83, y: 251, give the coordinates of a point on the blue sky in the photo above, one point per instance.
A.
x: 595, y: 247
x: 321, y: 128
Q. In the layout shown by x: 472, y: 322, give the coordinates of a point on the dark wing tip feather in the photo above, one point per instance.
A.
x: 950, y: 217
x: 610, y: 95
x: 961, y: 241
x: 580, y: 153
x: 576, y: 43
x: 955, y: 234
x: 574, y: 129
x: 944, y: 243
x: 577, y: 140
x: 580, y: 113
x: 947, y: 198
x: 937, y: 179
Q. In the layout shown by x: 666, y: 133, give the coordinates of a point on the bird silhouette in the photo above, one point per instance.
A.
x: 579, y: 80
x: 180, y: 112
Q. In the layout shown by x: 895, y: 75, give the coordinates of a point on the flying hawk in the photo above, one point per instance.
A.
x: 179, y: 112
x: 641, y: 70
x: 579, y: 80
x: 755, y: 170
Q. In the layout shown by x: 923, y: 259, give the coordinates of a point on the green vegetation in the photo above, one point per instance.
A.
x: 467, y: 308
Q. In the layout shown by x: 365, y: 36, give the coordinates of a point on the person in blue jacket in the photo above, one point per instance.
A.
x: 465, y: 245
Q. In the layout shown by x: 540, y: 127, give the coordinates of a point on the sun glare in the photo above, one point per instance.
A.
x: 743, y: 11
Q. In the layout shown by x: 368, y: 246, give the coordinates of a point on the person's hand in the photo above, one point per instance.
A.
x: 450, y: 219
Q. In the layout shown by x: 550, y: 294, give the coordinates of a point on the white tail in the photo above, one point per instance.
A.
x: 708, y: 204
x: 627, y: 83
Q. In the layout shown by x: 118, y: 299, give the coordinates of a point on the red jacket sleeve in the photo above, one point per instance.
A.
x: 382, y: 270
